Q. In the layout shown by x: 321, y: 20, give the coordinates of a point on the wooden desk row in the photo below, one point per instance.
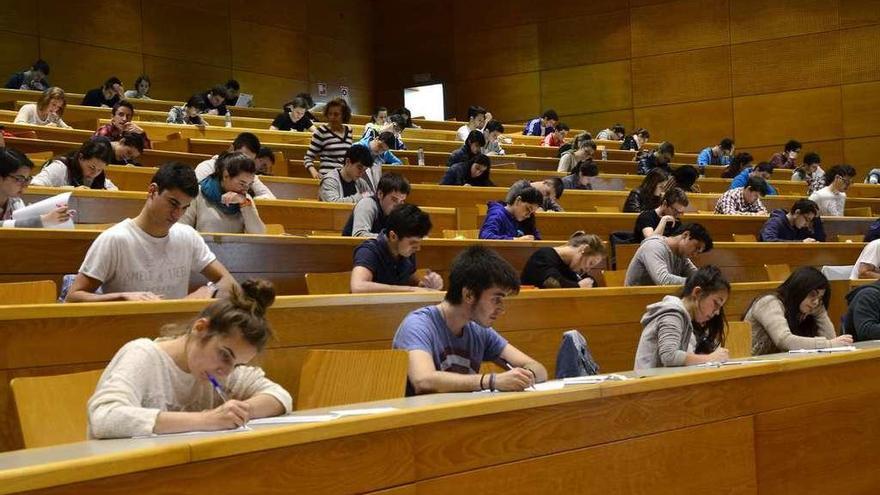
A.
x: 52, y: 339
x: 774, y: 427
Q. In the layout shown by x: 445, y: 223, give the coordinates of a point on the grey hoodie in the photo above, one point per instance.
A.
x: 667, y: 335
x: 862, y: 319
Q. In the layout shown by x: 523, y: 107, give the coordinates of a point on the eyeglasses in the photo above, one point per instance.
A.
x: 21, y: 179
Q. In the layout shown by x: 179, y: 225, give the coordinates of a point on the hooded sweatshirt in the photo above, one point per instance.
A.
x: 862, y: 319
x: 778, y: 229
x: 667, y: 335
x: 501, y: 224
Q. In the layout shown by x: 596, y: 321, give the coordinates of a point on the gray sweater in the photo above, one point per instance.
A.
x: 331, y: 189
x: 667, y: 335
x: 655, y: 264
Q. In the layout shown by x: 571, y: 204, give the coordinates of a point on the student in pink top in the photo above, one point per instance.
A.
x: 557, y: 137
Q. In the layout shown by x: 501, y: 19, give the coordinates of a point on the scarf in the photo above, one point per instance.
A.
x: 210, y: 188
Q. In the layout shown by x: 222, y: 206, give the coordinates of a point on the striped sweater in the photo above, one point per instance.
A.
x: 327, y: 149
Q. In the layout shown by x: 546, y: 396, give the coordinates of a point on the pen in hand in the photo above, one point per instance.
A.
x: 218, y: 388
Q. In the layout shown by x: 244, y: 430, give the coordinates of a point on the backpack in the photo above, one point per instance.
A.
x: 574, y: 357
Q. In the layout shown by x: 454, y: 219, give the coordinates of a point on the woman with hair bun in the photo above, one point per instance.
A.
x: 194, y: 377
x: 565, y: 266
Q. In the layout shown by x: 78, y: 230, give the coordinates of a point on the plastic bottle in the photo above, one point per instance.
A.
x: 228, y: 118
x: 421, y: 155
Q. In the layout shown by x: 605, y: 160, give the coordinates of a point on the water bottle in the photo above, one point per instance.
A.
x: 604, y: 154
x: 228, y: 118
x: 421, y: 155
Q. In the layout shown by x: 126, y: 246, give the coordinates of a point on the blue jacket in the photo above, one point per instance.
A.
x: 533, y: 128
x: 743, y: 178
x: 707, y: 158
x: 381, y: 159
x: 873, y: 232
x: 778, y: 229
x: 500, y: 224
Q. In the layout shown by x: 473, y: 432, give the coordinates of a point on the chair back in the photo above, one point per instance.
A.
x: 37, y: 292
x: 614, y: 278
x: 274, y: 229
x: 52, y: 409
x: 777, y: 272
x: 850, y: 238
x: 331, y: 377
x: 461, y: 234
x: 328, y: 283
x: 744, y: 238
x: 739, y: 339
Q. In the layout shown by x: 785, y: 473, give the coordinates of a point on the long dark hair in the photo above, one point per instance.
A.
x: 792, y: 293
x: 482, y: 180
x: 649, y: 184
x: 98, y: 147
x: 710, y: 335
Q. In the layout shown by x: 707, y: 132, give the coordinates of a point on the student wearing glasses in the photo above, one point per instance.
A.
x: 662, y: 220
x: 512, y: 220
x: 224, y: 204
x: 195, y: 377
x: 151, y: 256
x: 832, y: 198
x: 15, y: 175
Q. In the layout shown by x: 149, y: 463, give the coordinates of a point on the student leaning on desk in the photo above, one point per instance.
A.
x: 194, y: 379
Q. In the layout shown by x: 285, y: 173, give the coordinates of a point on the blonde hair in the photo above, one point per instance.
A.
x: 53, y: 93
x: 244, y: 309
x: 592, y: 241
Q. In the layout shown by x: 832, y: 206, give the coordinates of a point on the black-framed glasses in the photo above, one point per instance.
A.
x: 21, y: 179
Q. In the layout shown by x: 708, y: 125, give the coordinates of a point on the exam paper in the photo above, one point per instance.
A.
x: 362, y: 412
x: 846, y: 348
x: 292, y: 420
x: 45, y: 206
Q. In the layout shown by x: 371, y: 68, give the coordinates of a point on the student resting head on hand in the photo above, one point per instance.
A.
x: 565, y: 266
x: 166, y: 385
x: 795, y: 316
x: 686, y: 329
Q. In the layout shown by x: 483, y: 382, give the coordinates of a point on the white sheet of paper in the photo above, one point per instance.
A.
x: 292, y: 420
x: 716, y: 364
x: 846, y: 348
x: 189, y: 433
x: 580, y: 380
x: 551, y: 385
x: 361, y: 412
x: 244, y: 100
x: 43, y: 207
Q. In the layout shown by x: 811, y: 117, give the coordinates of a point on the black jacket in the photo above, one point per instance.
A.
x: 862, y: 319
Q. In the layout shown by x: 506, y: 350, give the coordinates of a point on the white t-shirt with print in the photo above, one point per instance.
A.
x: 127, y: 259
x: 870, y: 255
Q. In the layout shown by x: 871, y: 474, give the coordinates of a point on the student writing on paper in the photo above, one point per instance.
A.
x: 795, y: 316
x: 151, y: 256
x: 15, y: 175
x: 83, y: 168
x: 449, y: 341
x: 687, y: 329
x: 163, y: 385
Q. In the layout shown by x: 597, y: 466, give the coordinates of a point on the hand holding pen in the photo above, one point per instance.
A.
x: 230, y: 414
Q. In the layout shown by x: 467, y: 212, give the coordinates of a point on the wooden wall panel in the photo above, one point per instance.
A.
x: 810, y: 115
x: 752, y: 20
x: 679, y: 25
x: 186, y: 34
x: 269, y: 91
x: 859, y: 12
x: 79, y: 68
x: 176, y: 80
x: 861, y: 109
x: 285, y: 15
x: 861, y: 153
x: 588, y: 88
x: 431, y: 55
x: 18, y: 52
x: 18, y: 17
x: 476, y: 57
x: 562, y: 41
x: 270, y: 50
x: 118, y: 27
x: 509, y: 98
x: 689, y: 126
x: 860, y: 58
x: 335, y: 62
x: 681, y: 77
x: 477, y: 17
x: 780, y: 65
x: 340, y: 19
x: 595, y: 122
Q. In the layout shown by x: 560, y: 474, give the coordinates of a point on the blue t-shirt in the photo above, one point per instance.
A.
x: 425, y: 329
x: 375, y: 255
x: 743, y: 178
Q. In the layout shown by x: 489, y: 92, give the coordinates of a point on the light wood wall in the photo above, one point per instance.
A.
x: 274, y: 48
x: 691, y: 71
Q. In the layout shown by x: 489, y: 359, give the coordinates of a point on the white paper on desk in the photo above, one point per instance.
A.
x: 45, y: 206
x: 190, y: 433
x: 716, y: 364
x: 362, y: 412
x: 589, y: 379
x: 846, y: 348
x: 244, y: 100
x: 292, y: 420
x: 550, y: 385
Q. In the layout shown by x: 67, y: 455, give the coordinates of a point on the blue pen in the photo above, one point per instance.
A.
x: 218, y: 388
